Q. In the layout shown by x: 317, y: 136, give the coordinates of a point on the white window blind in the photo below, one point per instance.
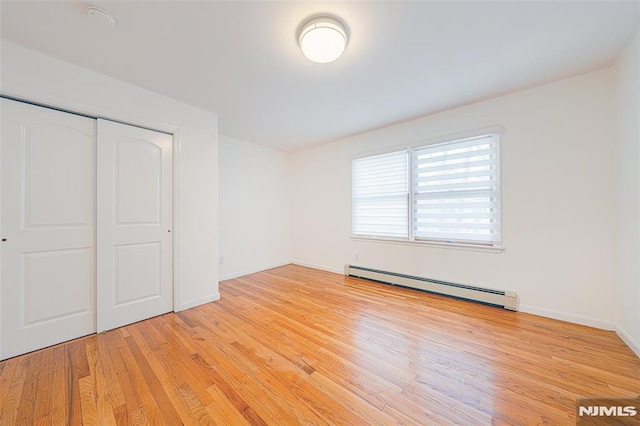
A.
x: 456, y: 191
x: 380, y: 196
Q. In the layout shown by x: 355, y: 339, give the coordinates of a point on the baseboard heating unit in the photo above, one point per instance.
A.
x: 500, y: 298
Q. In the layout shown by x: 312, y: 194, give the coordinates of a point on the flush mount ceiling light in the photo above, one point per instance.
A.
x: 322, y: 39
x: 101, y: 16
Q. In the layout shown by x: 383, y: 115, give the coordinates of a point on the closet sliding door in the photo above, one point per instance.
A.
x: 47, y: 286
x: 85, y: 221
x: 134, y: 224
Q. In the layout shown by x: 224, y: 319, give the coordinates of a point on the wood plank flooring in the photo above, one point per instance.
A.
x: 294, y: 345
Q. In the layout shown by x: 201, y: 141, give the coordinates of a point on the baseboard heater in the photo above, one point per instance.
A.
x: 503, y: 299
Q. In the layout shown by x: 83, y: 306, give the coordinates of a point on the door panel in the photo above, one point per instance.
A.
x: 44, y: 269
x: 138, y: 272
x: 56, y: 189
x: 138, y: 200
x: 133, y: 224
x: 47, y: 288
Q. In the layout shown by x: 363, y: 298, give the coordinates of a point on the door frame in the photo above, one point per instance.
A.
x: 48, y: 100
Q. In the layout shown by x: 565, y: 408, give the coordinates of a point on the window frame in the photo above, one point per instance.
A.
x: 411, y: 240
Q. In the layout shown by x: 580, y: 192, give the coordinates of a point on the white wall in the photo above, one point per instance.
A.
x: 29, y: 75
x: 255, y: 207
x: 627, y: 180
x: 557, y: 175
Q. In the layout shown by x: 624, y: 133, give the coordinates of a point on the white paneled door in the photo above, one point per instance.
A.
x: 85, y: 221
x: 47, y: 287
x: 134, y: 240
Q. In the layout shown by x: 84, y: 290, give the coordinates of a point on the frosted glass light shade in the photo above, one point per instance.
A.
x: 322, y: 39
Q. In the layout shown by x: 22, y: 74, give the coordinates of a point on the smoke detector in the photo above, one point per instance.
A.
x: 101, y: 16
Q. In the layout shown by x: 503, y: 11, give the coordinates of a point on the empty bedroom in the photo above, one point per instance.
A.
x: 323, y: 213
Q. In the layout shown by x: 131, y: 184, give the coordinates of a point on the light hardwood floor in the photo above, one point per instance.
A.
x: 294, y: 345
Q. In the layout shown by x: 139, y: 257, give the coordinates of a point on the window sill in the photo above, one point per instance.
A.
x: 448, y: 246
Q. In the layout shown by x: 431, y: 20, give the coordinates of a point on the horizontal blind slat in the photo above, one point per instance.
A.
x: 425, y: 169
x: 450, y: 215
x: 459, y: 144
x: 452, y: 174
x: 423, y: 162
x: 460, y: 196
x: 486, y: 185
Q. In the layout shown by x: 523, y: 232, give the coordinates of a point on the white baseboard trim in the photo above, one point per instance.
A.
x: 563, y: 316
x: 633, y: 344
x: 322, y: 268
x: 252, y: 271
x: 197, y: 302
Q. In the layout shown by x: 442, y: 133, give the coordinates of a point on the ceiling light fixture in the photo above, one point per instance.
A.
x: 322, y: 39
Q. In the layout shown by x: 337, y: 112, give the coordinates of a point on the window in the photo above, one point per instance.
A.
x: 454, y: 196
x: 456, y: 191
x: 380, y: 193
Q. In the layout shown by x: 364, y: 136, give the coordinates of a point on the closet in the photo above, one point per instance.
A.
x: 85, y: 221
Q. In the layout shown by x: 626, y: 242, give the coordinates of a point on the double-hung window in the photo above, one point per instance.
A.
x: 380, y: 190
x: 442, y: 193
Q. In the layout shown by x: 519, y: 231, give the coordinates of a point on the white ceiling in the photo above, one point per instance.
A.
x: 404, y: 59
